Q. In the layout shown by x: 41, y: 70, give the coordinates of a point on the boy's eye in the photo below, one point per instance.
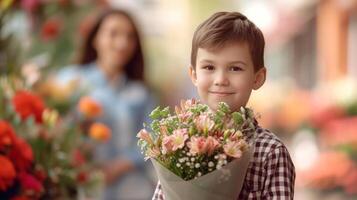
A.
x: 235, y: 68
x: 208, y: 67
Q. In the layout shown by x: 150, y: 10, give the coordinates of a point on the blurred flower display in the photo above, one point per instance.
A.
x: 45, y: 154
x: 48, y: 28
x: 329, y: 115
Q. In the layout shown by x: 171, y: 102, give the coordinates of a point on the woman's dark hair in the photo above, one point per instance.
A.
x: 134, y: 69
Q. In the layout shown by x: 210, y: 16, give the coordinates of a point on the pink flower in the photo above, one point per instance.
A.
x: 183, y: 111
x: 204, y: 123
x: 167, y: 144
x: 211, y: 145
x: 233, y: 149
x: 175, y: 141
x: 236, y: 135
x: 152, y: 153
x: 163, y: 130
x: 144, y: 135
x: 185, y: 105
x: 202, y: 145
x: 179, y: 137
x: 184, y: 116
x: 30, y: 5
x: 197, y: 145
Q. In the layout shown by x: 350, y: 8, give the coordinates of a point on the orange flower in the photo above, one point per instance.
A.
x: 7, y: 173
x: 7, y: 135
x: 27, y: 104
x: 89, y: 107
x: 100, y: 132
x: 295, y: 109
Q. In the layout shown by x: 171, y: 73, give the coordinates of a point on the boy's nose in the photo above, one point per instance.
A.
x: 221, y: 79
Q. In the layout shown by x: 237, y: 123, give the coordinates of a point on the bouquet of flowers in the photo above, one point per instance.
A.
x: 199, y: 153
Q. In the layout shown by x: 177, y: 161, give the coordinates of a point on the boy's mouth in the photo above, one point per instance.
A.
x: 221, y: 94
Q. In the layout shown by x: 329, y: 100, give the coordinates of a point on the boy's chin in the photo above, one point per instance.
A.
x: 214, y: 106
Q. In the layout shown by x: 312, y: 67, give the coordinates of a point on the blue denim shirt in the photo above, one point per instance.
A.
x: 126, y: 105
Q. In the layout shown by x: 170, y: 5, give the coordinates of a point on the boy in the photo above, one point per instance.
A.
x: 226, y: 65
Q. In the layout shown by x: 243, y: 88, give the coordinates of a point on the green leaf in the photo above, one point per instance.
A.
x: 158, y: 113
x: 238, y: 118
x: 155, y: 126
x: 223, y: 107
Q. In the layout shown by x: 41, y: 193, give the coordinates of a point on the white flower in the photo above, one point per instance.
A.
x: 210, y: 164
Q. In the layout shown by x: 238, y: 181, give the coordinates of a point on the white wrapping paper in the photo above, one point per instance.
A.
x: 222, y: 184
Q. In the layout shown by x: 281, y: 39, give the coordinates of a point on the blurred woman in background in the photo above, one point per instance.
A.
x: 111, y: 69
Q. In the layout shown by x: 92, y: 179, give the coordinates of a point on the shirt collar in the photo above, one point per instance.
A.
x: 100, y: 78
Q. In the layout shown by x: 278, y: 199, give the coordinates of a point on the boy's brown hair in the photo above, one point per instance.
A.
x: 224, y: 27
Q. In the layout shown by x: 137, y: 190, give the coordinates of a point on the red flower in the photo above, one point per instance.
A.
x: 20, y: 198
x: 7, y: 173
x: 40, y: 174
x: 29, y: 182
x: 340, y: 131
x: 64, y: 3
x: 21, y: 155
x: 7, y: 135
x: 77, y: 158
x: 51, y: 29
x: 323, y: 114
x: 82, y: 177
x: 349, y: 182
x: 27, y: 104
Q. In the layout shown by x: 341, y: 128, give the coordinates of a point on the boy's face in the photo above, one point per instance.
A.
x: 226, y: 75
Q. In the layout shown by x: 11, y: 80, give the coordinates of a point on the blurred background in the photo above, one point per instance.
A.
x: 309, y: 99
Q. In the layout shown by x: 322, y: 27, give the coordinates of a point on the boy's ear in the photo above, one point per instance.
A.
x: 260, y: 77
x: 193, y: 75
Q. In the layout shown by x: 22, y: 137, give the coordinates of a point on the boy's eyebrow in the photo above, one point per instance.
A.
x: 230, y: 63
x: 238, y: 62
x: 206, y: 61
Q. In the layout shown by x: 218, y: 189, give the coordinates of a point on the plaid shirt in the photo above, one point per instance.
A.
x: 270, y: 175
